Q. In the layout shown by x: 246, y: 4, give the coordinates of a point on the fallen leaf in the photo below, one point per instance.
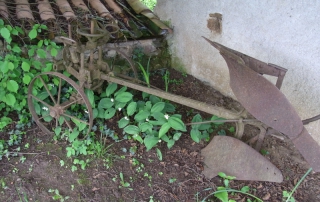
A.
x: 95, y: 189
x: 260, y: 186
x: 266, y: 197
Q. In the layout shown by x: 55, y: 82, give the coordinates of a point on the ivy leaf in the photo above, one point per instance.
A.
x: 41, y: 53
x: 12, y: 86
x: 53, y: 52
x: 9, y: 99
x: 33, y: 34
x: 16, y: 49
x: 26, y: 79
x: 25, y: 66
x: 5, y: 33
x: 150, y: 141
x: 4, y: 66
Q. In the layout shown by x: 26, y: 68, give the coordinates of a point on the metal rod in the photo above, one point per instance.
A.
x: 211, y: 109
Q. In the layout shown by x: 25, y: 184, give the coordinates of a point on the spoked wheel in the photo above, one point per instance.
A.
x: 120, y: 64
x: 56, y: 100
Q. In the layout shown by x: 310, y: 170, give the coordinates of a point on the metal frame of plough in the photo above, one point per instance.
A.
x: 91, y: 75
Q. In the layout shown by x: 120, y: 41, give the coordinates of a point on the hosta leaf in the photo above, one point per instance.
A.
x: 131, y: 108
x: 123, y: 122
x: 142, y: 115
x: 177, y: 123
x: 150, y: 141
x: 105, y: 103
x: 109, y: 113
x: 111, y: 88
x: 146, y: 127
x: 132, y: 130
x: 158, y: 107
x: 123, y: 97
x: 195, y: 135
x: 164, y: 129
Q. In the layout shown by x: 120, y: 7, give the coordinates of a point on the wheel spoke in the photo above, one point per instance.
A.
x: 56, y: 122
x: 59, y: 92
x: 69, y: 104
x: 43, y: 117
x: 44, y: 103
x: 75, y: 118
x: 68, y: 124
x: 46, y: 87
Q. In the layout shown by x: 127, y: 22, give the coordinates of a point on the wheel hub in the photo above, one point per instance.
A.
x: 56, y: 111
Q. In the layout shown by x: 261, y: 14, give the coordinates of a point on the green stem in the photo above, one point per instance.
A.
x: 297, y: 185
x: 232, y: 190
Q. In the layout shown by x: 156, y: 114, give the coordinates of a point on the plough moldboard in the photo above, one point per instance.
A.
x: 264, y: 106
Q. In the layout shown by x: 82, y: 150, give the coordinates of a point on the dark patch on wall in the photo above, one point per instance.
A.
x: 214, y: 22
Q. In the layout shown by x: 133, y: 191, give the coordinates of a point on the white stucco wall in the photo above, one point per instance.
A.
x: 282, y: 32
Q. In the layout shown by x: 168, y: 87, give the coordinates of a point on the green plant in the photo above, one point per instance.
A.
x: 288, y: 196
x: 149, y: 3
x: 172, y: 180
x: 122, y: 182
x: 57, y: 195
x: 201, y: 129
x: 222, y: 191
x: 166, y: 80
x: 145, y: 72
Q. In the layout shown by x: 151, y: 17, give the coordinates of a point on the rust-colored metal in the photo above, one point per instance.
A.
x: 56, y: 107
x: 309, y: 149
x: 259, y: 96
x: 266, y: 103
x: 235, y: 158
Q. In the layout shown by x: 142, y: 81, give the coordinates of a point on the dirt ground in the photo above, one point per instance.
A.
x: 178, y: 177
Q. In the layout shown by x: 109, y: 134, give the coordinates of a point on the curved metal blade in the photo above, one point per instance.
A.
x: 235, y: 158
x: 309, y: 149
x: 259, y: 96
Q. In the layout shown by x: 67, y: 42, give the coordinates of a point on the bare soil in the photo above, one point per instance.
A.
x: 178, y: 177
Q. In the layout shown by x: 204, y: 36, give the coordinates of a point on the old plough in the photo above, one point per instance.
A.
x: 90, y: 64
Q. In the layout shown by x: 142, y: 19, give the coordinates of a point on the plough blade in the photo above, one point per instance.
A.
x: 235, y: 158
x: 268, y: 104
x: 259, y: 96
x: 309, y: 149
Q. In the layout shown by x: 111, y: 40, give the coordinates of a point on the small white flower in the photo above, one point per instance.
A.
x: 147, y: 119
x: 86, y: 111
x: 166, y: 116
x: 45, y: 108
x: 119, y: 109
x: 126, y: 118
x: 159, y: 140
x: 112, y: 100
x: 51, y: 84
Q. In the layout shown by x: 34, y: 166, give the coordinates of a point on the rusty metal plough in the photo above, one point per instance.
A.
x: 90, y: 65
